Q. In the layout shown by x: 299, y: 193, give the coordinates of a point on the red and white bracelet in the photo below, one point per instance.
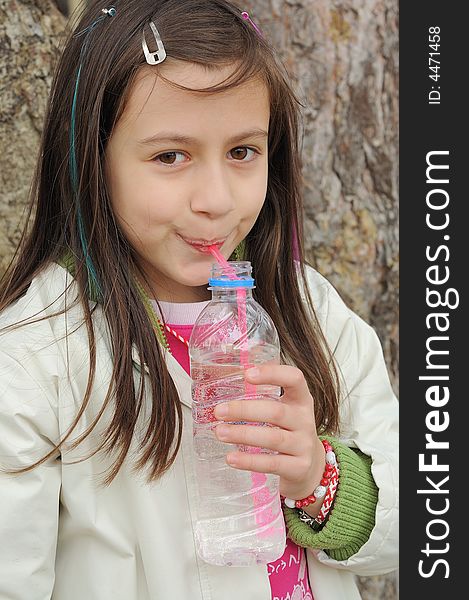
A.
x: 329, y: 499
x: 326, y: 489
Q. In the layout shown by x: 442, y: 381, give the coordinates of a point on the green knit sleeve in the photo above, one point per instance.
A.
x: 352, y: 516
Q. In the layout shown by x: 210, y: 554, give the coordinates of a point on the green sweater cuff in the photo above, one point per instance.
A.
x: 352, y: 516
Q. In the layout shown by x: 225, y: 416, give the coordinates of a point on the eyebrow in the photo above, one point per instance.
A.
x: 172, y: 137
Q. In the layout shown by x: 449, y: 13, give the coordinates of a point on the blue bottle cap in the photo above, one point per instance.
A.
x: 232, y: 283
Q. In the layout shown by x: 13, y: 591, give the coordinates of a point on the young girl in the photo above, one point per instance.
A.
x: 172, y: 126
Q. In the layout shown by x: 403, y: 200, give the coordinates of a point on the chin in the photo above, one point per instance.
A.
x: 195, y: 275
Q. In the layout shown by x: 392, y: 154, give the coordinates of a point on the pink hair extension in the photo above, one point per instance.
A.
x: 246, y: 17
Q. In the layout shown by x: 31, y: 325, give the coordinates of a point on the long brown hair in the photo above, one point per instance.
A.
x: 205, y: 32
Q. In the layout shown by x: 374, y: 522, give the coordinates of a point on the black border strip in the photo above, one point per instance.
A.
x: 434, y: 356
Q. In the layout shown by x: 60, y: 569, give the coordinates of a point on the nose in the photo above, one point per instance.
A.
x: 214, y: 192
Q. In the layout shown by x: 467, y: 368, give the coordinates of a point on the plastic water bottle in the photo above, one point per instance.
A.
x: 240, y: 520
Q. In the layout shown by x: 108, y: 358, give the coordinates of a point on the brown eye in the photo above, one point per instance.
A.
x: 239, y: 153
x: 167, y: 158
x: 243, y: 154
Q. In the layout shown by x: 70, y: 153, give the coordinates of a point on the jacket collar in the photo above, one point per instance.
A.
x: 181, y: 379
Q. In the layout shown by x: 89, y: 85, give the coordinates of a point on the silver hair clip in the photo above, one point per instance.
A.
x: 154, y: 58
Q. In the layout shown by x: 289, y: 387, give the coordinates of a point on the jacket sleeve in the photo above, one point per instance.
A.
x: 361, y: 534
x: 352, y: 517
x: 29, y: 502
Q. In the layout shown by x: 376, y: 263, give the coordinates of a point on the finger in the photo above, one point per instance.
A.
x: 261, y: 462
x: 288, y: 377
x: 270, y: 438
x: 274, y: 412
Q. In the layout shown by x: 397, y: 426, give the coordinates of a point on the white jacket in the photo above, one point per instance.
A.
x: 64, y: 537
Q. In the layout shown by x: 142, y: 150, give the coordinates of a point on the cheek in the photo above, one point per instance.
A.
x: 142, y: 202
x: 257, y: 199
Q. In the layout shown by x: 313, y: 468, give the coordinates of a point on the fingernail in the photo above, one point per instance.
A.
x: 221, y: 411
x: 252, y: 372
x: 232, y: 460
x: 222, y: 432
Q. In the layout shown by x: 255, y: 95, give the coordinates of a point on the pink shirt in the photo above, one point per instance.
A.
x: 288, y: 575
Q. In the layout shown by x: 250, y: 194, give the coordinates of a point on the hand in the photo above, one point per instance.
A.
x: 300, y: 455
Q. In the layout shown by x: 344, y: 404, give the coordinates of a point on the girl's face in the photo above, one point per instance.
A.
x: 184, y: 169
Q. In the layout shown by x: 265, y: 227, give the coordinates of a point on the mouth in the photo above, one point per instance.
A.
x: 203, y: 245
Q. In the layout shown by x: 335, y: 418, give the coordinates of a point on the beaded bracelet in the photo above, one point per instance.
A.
x: 320, y: 490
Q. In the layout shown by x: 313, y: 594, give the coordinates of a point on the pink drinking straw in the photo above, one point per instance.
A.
x: 241, y: 294
x: 258, y: 479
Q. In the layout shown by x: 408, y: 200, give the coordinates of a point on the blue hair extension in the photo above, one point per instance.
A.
x: 92, y: 276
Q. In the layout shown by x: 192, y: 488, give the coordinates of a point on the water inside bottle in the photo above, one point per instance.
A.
x: 240, y: 521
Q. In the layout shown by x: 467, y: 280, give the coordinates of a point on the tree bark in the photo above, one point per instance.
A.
x: 30, y: 31
x: 343, y: 56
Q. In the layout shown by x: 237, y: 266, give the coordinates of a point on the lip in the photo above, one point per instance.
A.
x: 199, y: 244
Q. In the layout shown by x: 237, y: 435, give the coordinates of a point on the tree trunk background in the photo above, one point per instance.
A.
x: 30, y: 31
x: 343, y: 57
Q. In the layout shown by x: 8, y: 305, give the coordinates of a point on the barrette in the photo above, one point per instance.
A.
x: 246, y: 17
x: 154, y: 58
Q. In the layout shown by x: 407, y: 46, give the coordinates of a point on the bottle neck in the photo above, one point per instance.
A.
x: 220, y: 294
